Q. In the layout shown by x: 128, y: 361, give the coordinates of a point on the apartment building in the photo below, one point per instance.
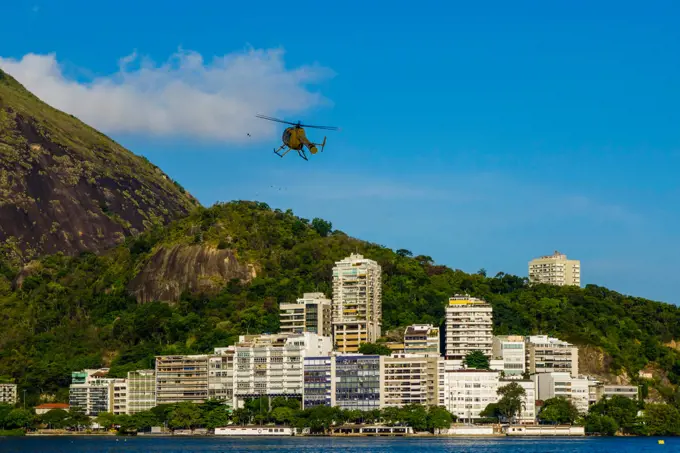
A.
x: 91, y: 391
x: 469, y: 323
x: 119, y: 400
x: 562, y: 384
x: 547, y: 354
x: 357, y: 302
x: 319, y: 382
x: 181, y: 378
x: 421, y: 339
x: 468, y: 392
x: 412, y: 379
x: 273, y: 365
x: 358, y: 382
x: 608, y: 391
x: 555, y: 269
x: 141, y: 391
x: 8, y: 394
x: 221, y: 375
x: 311, y: 313
x: 527, y: 414
x: 512, y: 351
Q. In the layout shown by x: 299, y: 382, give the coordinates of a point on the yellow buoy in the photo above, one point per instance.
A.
x: 661, y: 442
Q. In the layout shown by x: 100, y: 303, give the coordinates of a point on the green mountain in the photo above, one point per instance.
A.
x: 66, y: 187
x: 243, y: 259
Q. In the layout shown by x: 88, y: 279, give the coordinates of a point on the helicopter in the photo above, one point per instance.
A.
x: 294, y: 137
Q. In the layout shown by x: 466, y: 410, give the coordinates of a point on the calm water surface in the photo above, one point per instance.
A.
x: 317, y: 445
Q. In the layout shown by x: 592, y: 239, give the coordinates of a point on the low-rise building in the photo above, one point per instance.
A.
x: 511, y: 350
x: 421, y: 339
x: 547, y: 355
x: 607, y: 391
x: 45, y: 408
x: 8, y: 394
x: 141, y: 391
x: 555, y: 385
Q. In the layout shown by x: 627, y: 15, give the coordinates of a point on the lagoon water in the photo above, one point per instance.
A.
x: 107, y: 444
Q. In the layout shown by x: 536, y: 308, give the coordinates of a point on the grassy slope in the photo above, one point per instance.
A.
x: 74, y: 312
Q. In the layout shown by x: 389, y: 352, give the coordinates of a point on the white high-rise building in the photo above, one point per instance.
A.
x: 311, y: 313
x: 555, y: 269
x: 181, y: 378
x: 91, y: 391
x: 469, y: 323
x: 357, y: 302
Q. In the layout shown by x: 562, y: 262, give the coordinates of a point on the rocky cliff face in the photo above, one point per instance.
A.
x: 193, y: 268
x: 65, y: 187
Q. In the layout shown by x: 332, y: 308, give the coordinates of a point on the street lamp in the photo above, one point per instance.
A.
x: 24, y: 399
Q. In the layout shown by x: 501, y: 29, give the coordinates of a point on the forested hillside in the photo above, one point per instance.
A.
x: 67, y: 313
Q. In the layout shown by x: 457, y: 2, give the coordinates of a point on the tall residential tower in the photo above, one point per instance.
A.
x: 469, y: 322
x: 357, y: 302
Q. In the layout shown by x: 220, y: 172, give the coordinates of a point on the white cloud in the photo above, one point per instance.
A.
x: 183, y: 97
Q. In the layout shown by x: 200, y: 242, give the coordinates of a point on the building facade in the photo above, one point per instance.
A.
x: 421, y: 339
x: 412, y: 379
x: 555, y: 269
x: 319, y: 382
x: 527, y: 414
x: 181, y: 378
x: 546, y: 355
x: 357, y: 303
x: 120, y: 397
x: 311, y: 313
x: 468, y: 392
x: 561, y: 384
x: 358, y: 382
x: 221, y: 375
x: 8, y: 394
x: 141, y: 391
x: 512, y: 351
x: 469, y: 323
x: 91, y: 391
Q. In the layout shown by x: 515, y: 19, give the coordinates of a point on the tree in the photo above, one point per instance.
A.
x: 323, y: 227
x: 662, y: 420
x: 621, y: 409
x: 185, y: 415
x: 283, y: 415
x: 242, y: 416
x: 512, y: 400
x: 404, y: 253
x: 374, y: 349
x: 144, y: 420
x: 217, y: 417
x: 476, y: 359
x: 558, y: 411
x: 105, y: 419
x: 439, y: 418
x: 601, y: 424
x: 482, y: 272
x: 19, y: 418
x: 55, y: 419
x: 491, y: 411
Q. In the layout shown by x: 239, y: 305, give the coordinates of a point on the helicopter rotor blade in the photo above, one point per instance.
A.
x: 275, y: 119
x: 329, y: 128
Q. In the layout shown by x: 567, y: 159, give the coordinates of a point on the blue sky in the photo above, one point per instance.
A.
x: 480, y: 133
